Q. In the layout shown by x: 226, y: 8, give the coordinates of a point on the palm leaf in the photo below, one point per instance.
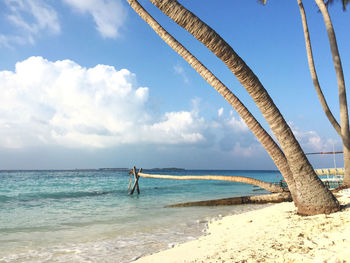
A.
x: 344, y: 3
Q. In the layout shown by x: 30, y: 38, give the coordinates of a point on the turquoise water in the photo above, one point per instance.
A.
x: 87, y: 216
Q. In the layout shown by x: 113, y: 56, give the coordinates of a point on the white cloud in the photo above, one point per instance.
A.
x: 236, y: 123
x: 179, y: 70
x: 233, y: 134
x: 220, y: 112
x: 248, y: 151
x: 30, y: 18
x: 4, y: 41
x: 62, y: 103
x: 109, y: 15
x: 177, y: 127
x: 311, y: 141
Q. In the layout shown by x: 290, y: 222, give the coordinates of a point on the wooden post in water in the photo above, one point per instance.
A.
x: 138, y: 177
x: 136, y: 183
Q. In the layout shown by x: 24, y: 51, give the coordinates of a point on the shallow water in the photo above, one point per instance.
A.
x: 87, y: 216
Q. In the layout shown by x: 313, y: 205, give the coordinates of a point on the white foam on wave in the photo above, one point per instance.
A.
x: 119, y: 249
x: 122, y: 248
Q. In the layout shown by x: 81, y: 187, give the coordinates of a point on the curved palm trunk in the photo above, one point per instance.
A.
x: 313, y: 73
x: 312, y: 196
x: 265, y: 139
x: 344, y: 116
x: 239, y: 179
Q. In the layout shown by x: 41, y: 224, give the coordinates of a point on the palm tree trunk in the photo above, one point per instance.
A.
x: 346, y: 180
x: 253, y: 199
x: 313, y: 73
x: 312, y: 195
x: 239, y: 179
x: 265, y: 139
x: 344, y: 116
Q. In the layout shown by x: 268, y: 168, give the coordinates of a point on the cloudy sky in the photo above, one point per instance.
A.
x: 87, y: 84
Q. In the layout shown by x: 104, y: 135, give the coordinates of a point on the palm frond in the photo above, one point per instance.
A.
x: 344, y: 3
x: 263, y: 2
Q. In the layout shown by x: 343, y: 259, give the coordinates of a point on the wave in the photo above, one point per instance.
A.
x: 4, y: 198
x: 31, y: 229
x: 55, y: 195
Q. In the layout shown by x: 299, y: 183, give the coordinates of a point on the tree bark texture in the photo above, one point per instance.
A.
x: 312, y: 197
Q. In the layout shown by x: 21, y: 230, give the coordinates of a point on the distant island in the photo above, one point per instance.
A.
x: 171, y: 168
x: 67, y: 170
x: 89, y: 170
x: 113, y: 169
x: 148, y: 169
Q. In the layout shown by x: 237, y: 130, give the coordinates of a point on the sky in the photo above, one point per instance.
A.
x: 88, y: 84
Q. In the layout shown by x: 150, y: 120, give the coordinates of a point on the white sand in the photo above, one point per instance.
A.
x: 272, y: 234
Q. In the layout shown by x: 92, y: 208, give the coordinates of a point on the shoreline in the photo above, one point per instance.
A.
x: 273, y: 234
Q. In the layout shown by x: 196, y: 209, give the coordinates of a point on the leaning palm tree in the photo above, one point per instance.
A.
x: 265, y: 139
x: 342, y: 129
x: 344, y: 116
x: 312, y: 196
x: 238, y: 179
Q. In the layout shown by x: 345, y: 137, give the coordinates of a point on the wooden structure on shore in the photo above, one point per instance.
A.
x: 330, y: 171
x: 334, y: 177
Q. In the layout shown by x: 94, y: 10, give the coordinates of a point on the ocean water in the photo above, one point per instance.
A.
x: 87, y: 216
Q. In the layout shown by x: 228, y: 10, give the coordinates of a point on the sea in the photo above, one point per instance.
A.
x: 88, y: 215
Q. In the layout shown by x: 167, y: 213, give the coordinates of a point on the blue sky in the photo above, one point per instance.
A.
x: 87, y: 84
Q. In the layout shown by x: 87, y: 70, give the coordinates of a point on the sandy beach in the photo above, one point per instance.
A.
x: 272, y: 234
